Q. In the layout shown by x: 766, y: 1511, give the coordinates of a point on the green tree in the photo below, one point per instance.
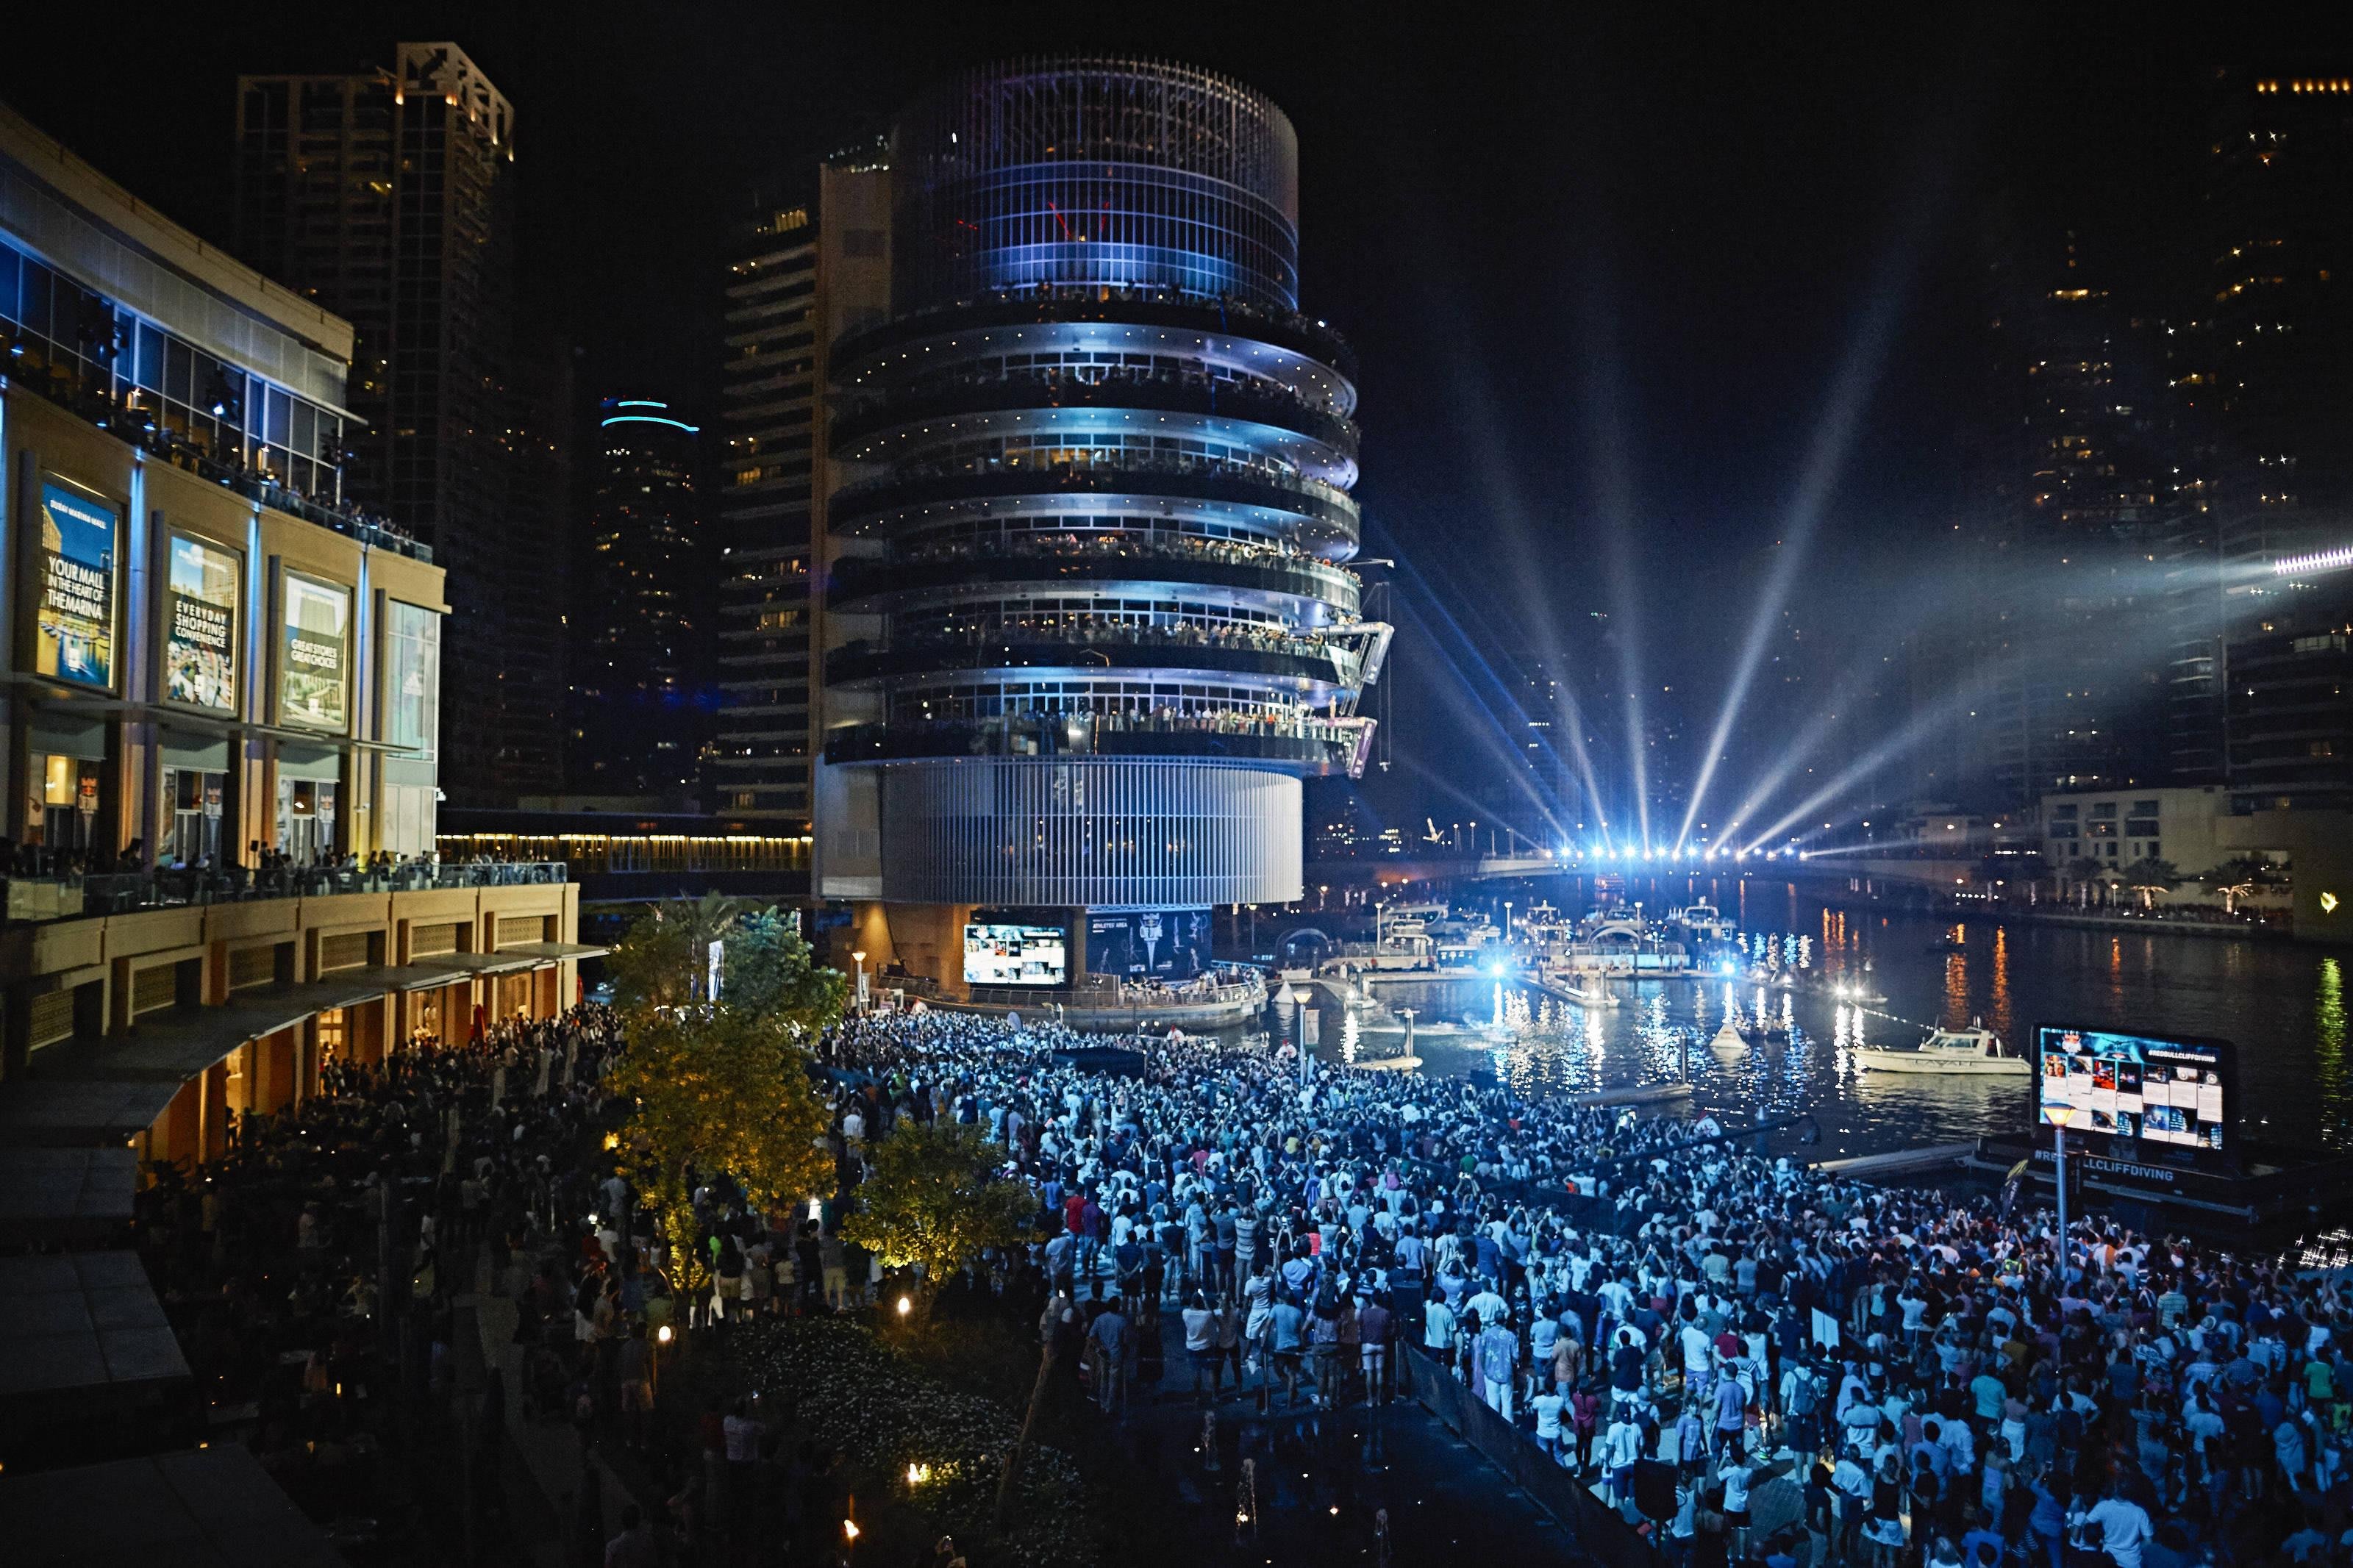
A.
x: 932, y: 1202
x: 664, y: 958
x: 716, y: 1090
x: 721, y: 1086
x: 768, y: 970
x: 2150, y: 876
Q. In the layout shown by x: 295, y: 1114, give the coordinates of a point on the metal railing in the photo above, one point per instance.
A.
x: 1081, y: 557
x: 35, y: 898
x: 1316, y: 742
x: 1095, y: 991
x: 1263, y: 403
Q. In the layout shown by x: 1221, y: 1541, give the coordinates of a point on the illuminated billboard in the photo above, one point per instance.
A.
x: 200, y: 606
x: 1016, y: 956
x: 73, y: 579
x: 1149, y: 944
x: 314, y: 662
x: 2147, y: 1093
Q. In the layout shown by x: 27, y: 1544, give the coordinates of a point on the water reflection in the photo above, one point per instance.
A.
x: 2283, y: 1007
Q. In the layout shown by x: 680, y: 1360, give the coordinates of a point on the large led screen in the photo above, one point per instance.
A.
x: 1016, y: 956
x: 73, y: 615
x: 2144, y: 1092
x: 1149, y: 945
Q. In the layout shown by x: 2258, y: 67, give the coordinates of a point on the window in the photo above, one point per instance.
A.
x: 194, y: 832
x: 306, y: 819
x: 412, y: 678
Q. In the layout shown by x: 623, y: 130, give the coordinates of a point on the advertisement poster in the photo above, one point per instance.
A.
x: 200, y: 601
x: 314, y: 675
x: 73, y: 623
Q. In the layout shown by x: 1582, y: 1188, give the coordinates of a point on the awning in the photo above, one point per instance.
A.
x: 63, y: 1195
x: 43, y: 1115
x: 510, y: 961
x: 546, y: 953
x: 81, y: 1324
x: 213, y: 1505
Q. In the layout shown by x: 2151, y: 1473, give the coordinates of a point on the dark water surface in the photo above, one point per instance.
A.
x: 2282, y: 1005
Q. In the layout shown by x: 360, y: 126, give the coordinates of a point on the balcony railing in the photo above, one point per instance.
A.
x: 1112, y: 646
x: 1226, y: 985
x: 1314, y: 745
x: 1221, y: 316
x: 35, y: 896
x: 1103, y: 557
x: 1177, y: 479
x: 138, y: 426
x: 1260, y: 402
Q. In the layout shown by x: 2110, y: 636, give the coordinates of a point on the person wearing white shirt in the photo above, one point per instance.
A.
x: 2125, y: 1528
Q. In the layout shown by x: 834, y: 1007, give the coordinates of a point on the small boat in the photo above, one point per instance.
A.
x: 1727, y: 1040
x: 1947, y: 945
x: 1973, y: 1050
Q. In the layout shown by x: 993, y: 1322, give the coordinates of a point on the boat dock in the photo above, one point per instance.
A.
x: 1918, y: 1161
x: 1567, y: 993
x: 1633, y: 1094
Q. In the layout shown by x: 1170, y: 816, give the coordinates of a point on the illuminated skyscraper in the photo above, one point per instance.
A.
x: 2278, y: 193
x: 641, y: 622
x: 388, y: 197
x: 2077, y: 490
x: 1087, y: 620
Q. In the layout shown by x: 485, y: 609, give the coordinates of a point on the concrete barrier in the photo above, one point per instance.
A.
x: 1597, y: 1528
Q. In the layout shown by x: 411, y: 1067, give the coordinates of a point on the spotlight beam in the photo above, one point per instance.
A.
x: 1866, y: 352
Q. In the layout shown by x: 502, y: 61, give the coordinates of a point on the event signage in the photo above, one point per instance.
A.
x: 73, y: 620
x: 314, y: 675
x: 200, y: 607
x: 2148, y: 1094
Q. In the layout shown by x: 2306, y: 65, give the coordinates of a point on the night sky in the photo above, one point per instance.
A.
x: 1603, y: 280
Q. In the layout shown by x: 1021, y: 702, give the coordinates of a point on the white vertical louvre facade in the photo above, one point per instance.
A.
x: 1089, y: 831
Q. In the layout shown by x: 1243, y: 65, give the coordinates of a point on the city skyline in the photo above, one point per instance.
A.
x: 1636, y: 348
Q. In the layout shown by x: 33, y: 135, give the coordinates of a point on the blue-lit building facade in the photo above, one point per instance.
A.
x: 1088, y: 618
x: 639, y: 719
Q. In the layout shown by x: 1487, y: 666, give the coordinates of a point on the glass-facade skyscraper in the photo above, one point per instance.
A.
x: 1088, y: 620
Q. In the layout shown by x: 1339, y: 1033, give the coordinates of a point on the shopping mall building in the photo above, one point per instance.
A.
x: 1087, y: 620
x: 213, y: 660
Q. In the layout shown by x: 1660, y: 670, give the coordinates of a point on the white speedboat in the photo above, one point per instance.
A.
x: 1970, y: 1050
x: 1728, y: 1040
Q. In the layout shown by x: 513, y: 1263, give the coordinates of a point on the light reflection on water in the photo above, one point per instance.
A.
x: 2282, y: 1005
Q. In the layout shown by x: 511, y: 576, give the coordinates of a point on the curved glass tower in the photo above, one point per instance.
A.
x: 1092, y: 618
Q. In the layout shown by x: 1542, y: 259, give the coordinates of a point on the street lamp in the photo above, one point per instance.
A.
x: 2058, y: 1116
x: 859, y: 958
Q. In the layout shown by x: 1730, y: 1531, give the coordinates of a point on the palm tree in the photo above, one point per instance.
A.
x: 2238, y: 878
x: 2083, y: 872
x: 2150, y: 876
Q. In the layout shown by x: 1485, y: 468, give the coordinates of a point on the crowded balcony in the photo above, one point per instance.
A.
x: 1255, y: 400
x: 129, y: 416
x: 1211, y: 315
x: 1313, y: 744
x: 1083, y: 642
x: 1326, y: 510
x: 48, y: 885
x: 1099, y: 556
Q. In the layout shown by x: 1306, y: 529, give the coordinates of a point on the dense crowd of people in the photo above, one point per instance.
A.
x: 1821, y: 1370
x: 1940, y: 1380
x: 312, y: 1271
